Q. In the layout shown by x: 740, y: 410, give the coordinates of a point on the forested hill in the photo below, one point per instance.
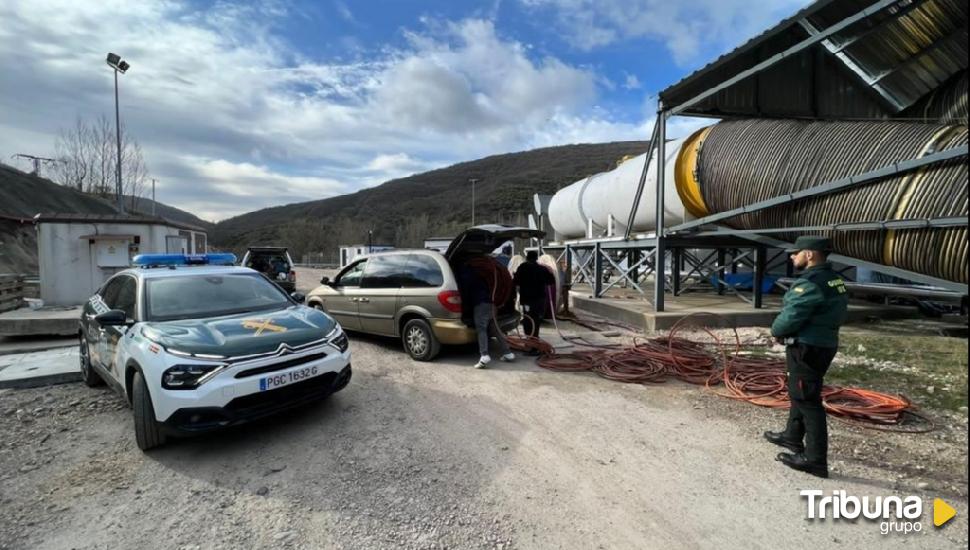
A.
x: 404, y: 211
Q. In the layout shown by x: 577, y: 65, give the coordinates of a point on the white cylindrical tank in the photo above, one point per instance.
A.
x: 597, y: 197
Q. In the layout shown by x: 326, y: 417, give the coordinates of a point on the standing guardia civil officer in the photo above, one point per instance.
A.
x: 814, y: 309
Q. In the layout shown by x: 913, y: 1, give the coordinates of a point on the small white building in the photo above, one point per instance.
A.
x: 349, y: 252
x: 77, y: 252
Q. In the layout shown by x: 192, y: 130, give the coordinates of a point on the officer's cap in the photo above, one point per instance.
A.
x: 812, y: 242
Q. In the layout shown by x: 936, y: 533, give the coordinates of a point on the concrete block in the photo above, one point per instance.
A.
x: 41, y: 368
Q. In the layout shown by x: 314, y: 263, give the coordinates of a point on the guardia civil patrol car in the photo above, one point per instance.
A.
x: 195, y: 343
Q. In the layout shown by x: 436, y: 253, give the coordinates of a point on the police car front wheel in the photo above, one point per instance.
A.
x: 147, y: 433
x: 91, y: 378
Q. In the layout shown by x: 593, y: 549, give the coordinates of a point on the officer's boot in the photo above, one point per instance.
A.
x: 798, y: 462
x: 779, y: 438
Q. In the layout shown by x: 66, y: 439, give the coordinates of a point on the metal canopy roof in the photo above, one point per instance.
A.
x: 862, y: 59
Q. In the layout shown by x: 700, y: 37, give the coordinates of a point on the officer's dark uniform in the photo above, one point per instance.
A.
x: 814, y: 309
x: 533, y: 281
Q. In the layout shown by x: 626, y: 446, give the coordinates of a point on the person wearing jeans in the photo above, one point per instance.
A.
x: 475, y: 293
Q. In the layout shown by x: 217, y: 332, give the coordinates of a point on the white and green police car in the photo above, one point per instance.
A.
x: 195, y: 343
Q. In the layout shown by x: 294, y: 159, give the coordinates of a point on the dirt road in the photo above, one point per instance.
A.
x: 439, y: 455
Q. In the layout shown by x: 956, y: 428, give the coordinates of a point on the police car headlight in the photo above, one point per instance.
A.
x: 339, y: 340
x: 188, y: 377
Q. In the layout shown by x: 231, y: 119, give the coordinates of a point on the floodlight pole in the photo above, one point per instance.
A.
x: 474, y: 181
x: 118, y: 188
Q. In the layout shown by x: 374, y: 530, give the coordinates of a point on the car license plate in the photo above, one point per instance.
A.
x: 283, y: 379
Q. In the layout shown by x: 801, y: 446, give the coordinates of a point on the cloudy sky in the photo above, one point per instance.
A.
x: 239, y: 106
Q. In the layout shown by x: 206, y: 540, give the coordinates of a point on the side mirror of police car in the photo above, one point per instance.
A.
x: 112, y: 317
x: 324, y: 280
x: 298, y: 297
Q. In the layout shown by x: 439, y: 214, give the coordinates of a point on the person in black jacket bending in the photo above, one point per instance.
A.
x: 533, y: 281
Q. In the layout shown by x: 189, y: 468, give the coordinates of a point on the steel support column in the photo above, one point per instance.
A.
x: 569, y: 266
x: 597, y: 271
x: 659, y: 252
x: 721, y: 257
x: 759, y: 275
x: 675, y: 260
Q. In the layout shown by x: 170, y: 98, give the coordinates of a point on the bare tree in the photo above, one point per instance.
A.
x: 88, y: 152
x: 74, y: 144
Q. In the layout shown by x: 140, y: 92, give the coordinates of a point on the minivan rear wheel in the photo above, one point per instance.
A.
x: 419, y: 341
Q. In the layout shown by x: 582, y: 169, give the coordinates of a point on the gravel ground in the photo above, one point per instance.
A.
x: 440, y: 455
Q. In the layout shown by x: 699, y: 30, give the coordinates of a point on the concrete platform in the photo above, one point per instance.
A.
x: 41, y: 368
x: 26, y: 344
x: 632, y: 308
x: 54, y: 321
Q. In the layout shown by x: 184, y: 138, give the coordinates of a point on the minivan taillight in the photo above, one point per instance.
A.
x: 292, y: 277
x: 450, y: 300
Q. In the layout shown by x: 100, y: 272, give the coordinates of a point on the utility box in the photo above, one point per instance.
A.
x: 77, y: 253
x: 112, y: 251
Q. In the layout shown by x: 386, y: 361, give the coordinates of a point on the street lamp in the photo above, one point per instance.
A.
x: 473, y: 180
x: 119, y: 65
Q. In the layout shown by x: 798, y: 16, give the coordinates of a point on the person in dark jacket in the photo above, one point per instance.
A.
x: 478, y: 296
x: 533, y: 281
x: 814, y: 308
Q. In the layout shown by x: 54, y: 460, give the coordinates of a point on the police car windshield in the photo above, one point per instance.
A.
x: 197, y: 296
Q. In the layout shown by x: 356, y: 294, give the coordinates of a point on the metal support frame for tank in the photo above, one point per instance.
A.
x: 710, y: 269
x: 630, y: 274
x: 584, y: 264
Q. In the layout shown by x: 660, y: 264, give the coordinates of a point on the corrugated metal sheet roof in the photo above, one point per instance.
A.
x: 874, y: 68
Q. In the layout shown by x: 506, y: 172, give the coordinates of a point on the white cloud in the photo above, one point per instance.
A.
x: 345, y: 12
x: 399, y: 162
x: 631, y: 82
x: 232, y: 119
x: 691, y: 31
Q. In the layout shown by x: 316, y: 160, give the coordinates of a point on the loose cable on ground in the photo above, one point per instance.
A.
x: 757, y: 379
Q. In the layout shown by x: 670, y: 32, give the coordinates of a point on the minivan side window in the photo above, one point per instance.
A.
x: 422, y: 272
x: 351, y: 277
x: 385, y: 271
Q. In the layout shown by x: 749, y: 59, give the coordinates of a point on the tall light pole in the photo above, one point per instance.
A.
x: 473, y: 181
x: 119, y: 65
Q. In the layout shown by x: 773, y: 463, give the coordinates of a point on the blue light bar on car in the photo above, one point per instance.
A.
x: 146, y: 260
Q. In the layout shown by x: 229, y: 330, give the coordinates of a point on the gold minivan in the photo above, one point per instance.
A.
x: 413, y: 294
